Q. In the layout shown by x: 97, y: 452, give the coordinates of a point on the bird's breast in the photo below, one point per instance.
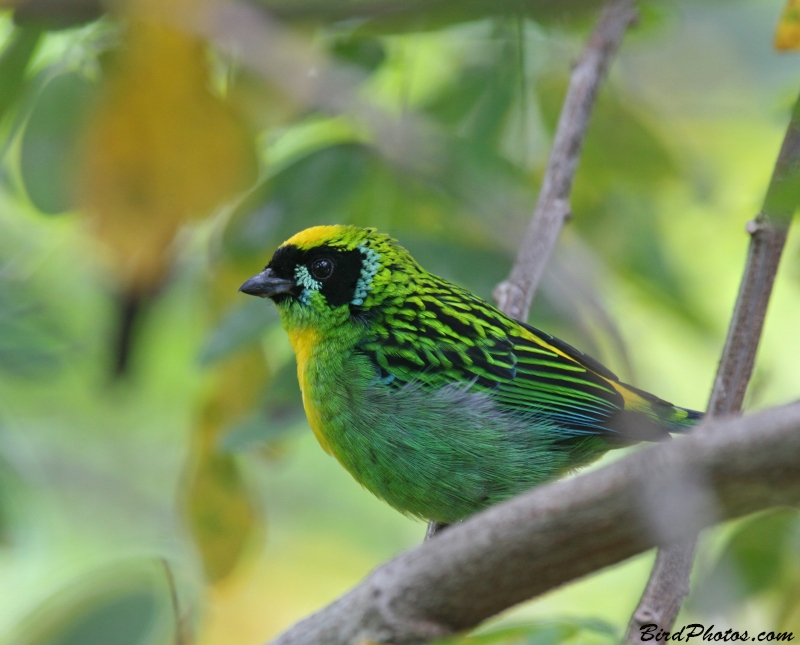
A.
x: 304, y: 343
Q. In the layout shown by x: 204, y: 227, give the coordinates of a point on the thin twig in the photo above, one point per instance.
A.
x: 559, y: 532
x: 183, y: 635
x: 669, y: 580
x: 515, y: 294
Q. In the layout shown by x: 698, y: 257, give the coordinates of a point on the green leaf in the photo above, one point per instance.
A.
x: 7, y: 480
x: 397, y: 16
x: 753, y: 560
x: 32, y: 341
x: 222, y: 517
x: 64, y: 14
x: 14, y: 61
x: 49, y: 143
x: 480, y: 100
x: 125, y: 620
x: 123, y: 608
x: 758, y: 548
x: 362, y: 51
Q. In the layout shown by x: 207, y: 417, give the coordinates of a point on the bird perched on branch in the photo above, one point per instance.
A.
x: 433, y: 399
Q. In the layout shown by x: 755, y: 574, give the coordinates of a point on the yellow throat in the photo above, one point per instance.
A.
x: 303, y: 343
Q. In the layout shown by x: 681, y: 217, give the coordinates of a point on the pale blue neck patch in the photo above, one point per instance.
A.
x: 369, y: 269
x: 304, y: 279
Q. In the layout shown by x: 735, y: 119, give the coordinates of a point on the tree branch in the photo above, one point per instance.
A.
x: 669, y: 580
x: 538, y: 541
x: 515, y: 295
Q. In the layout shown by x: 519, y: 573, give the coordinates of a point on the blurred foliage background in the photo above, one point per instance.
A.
x: 158, y: 483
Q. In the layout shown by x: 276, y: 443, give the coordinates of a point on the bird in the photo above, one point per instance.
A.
x: 432, y: 398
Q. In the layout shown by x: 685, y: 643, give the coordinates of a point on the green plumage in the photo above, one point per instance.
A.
x: 433, y: 399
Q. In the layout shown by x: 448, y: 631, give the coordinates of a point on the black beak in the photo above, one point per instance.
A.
x: 266, y: 284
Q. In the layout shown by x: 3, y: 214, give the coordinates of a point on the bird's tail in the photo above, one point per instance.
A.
x: 670, y: 417
x: 682, y: 419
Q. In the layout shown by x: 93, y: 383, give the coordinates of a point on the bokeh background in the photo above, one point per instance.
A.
x: 158, y: 481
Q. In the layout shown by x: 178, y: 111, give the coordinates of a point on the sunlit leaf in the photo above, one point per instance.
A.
x: 787, y: 33
x: 49, y: 144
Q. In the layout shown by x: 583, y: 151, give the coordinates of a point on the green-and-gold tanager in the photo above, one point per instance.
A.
x: 430, y: 397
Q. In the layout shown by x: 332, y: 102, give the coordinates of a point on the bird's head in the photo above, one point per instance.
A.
x: 324, y: 274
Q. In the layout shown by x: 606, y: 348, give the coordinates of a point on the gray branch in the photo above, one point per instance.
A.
x: 515, y: 295
x: 562, y: 531
x: 768, y: 236
x: 669, y: 580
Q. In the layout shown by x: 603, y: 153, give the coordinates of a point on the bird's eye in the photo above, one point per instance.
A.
x: 322, y: 268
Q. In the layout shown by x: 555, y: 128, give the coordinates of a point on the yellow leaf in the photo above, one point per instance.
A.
x: 221, y: 516
x: 161, y: 150
x: 787, y: 35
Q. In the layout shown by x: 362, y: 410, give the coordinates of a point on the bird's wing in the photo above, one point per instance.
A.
x: 569, y: 387
x: 449, y: 336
